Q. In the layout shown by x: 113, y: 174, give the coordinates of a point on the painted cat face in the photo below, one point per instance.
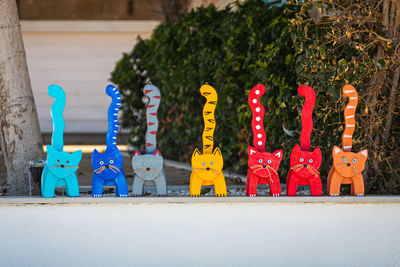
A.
x: 62, y: 164
x: 349, y: 164
x: 147, y: 166
x: 107, y: 165
x: 264, y: 164
x: 305, y: 163
x: 207, y: 166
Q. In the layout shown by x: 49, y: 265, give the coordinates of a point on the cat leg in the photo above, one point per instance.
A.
x: 329, y: 180
x: 334, y: 185
x: 120, y: 185
x: 72, y: 186
x: 251, y: 185
x: 316, y: 186
x: 97, y: 186
x: 48, y: 184
x: 195, y: 185
x: 220, y: 186
x: 275, y: 187
x: 291, y: 184
x: 357, y: 186
x: 161, y: 185
x: 43, y: 180
x: 137, y: 187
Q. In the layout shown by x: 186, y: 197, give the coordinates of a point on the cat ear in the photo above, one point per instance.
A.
x: 251, y: 150
x: 136, y: 153
x: 217, y: 152
x: 77, y: 155
x: 363, y: 153
x: 50, y: 149
x: 157, y: 153
x: 296, y: 149
x: 196, y: 153
x: 278, y: 154
x: 317, y: 153
x: 336, y: 150
x: 95, y: 152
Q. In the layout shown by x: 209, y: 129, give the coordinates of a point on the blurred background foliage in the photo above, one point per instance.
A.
x: 320, y: 43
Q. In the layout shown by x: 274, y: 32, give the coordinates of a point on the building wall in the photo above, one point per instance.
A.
x: 79, y: 56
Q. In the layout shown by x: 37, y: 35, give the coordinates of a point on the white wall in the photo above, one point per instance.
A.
x: 201, y: 234
x: 79, y: 56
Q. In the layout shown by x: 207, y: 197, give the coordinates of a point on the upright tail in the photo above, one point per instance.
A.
x: 306, y: 116
x: 57, y: 109
x: 257, y: 109
x: 113, y: 125
x: 154, y: 96
x: 349, y: 116
x: 208, y: 116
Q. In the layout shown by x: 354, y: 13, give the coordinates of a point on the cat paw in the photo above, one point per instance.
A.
x: 252, y: 195
x: 221, y: 195
x: 123, y: 195
x: 194, y: 195
x: 360, y: 195
x: 97, y: 195
x: 162, y: 195
x: 137, y: 195
x: 334, y: 195
x: 276, y: 195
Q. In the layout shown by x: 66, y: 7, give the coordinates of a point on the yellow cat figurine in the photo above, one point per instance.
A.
x: 207, y: 167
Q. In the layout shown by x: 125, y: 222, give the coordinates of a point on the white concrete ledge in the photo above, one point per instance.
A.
x: 348, y: 200
x: 135, y: 26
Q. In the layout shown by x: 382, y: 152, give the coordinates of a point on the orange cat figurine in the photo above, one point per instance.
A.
x: 347, y: 166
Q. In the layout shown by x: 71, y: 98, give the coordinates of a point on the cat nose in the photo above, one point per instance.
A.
x: 147, y: 169
x: 62, y: 166
x: 207, y: 168
x: 304, y: 165
x: 264, y: 166
x: 348, y: 164
x: 107, y: 166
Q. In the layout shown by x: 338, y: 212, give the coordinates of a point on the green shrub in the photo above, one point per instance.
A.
x: 232, y: 49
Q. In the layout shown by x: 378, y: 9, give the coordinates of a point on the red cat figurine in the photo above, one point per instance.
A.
x: 263, y: 166
x: 304, y: 164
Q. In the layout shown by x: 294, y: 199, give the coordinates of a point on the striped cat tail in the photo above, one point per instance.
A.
x: 113, y: 126
x: 57, y: 109
x: 208, y: 116
x: 258, y: 111
x: 349, y: 116
x: 306, y: 116
x: 152, y: 93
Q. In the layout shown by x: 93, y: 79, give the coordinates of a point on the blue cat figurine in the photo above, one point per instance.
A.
x: 107, y: 167
x: 61, y: 166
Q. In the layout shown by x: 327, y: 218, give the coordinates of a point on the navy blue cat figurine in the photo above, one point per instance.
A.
x: 107, y: 167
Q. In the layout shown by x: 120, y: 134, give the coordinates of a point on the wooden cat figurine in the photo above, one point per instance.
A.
x: 263, y: 166
x: 61, y: 166
x: 304, y: 164
x: 207, y: 166
x: 347, y: 166
x: 148, y: 168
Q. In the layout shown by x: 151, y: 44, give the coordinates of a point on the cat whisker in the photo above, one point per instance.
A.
x: 139, y: 170
x: 312, y: 171
x: 256, y: 166
x: 272, y: 169
x: 98, y: 169
x: 354, y: 169
x: 69, y: 171
x: 112, y: 167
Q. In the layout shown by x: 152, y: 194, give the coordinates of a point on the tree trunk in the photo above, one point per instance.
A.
x: 20, y: 137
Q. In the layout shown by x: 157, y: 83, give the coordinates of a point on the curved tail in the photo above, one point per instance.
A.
x: 113, y: 125
x: 152, y: 93
x: 57, y: 109
x: 208, y: 116
x: 258, y: 111
x: 306, y: 116
x: 349, y: 116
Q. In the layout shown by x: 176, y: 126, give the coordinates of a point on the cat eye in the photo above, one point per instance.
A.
x: 211, y: 163
x: 269, y: 161
x: 344, y: 159
x: 143, y: 164
x: 111, y: 161
x: 58, y: 160
x: 67, y: 161
x: 260, y: 160
x: 310, y: 160
x: 101, y: 162
x: 354, y: 160
x: 301, y: 159
x: 151, y: 163
x: 204, y: 164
